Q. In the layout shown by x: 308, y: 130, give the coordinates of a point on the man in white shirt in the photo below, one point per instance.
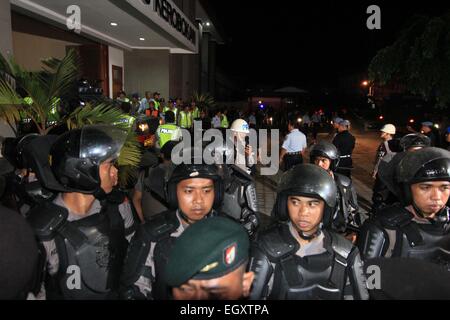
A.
x: 294, y: 146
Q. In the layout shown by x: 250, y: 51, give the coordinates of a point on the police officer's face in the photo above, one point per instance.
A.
x: 108, y: 175
x: 233, y: 286
x: 195, y: 197
x: 323, y: 162
x: 305, y: 213
x: 431, y: 197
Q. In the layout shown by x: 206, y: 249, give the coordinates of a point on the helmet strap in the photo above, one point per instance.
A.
x: 100, y: 194
x: 420, y: 213
x: 311, y: 237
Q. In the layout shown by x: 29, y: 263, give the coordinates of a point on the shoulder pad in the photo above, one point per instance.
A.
x: 46, y: 218
x: 156, y: 180
x: 372, y: 240
x: 161, y: 226
x: 134, y: 265
x: 343, y: 180
x: 394, y: 216
x: 278, y: 243
x: 262, y: 268
x: 340, y: 245
x: 241, y: 173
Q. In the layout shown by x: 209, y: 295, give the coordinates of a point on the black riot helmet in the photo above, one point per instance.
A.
x: 428, y: 164
x: 327, y: 150
x: 76, y: 155
x: 414, y: 140
x: 194, y: 168
x: 13, y: 150
x: 310, y: 181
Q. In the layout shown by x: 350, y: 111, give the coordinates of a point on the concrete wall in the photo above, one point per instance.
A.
x: 147, y: 70
x: 6, y: 47
x: 116, y: 58
x: 183, y: 75
x: 41, y: 47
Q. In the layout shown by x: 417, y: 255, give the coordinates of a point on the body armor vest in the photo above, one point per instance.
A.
x: 91, y: 252
x: 429, y: 242
x: 312, y: 277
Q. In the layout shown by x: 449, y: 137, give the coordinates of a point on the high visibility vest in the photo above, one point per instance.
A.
x: 165, y: 133
x: 224, y: 123
x: 196, y: 113
x: 185, y: 120
x: 157, y: 104
x: 150, y: 113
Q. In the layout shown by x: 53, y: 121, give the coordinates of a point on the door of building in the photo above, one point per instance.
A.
x: 117, y: 78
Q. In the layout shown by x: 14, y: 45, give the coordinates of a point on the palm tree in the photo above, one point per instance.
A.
x: 203, y: 101
x: 37, y: 95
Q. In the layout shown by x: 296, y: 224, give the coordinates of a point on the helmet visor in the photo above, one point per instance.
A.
x: 101, y: 142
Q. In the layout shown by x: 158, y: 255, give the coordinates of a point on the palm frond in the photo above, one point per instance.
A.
x: 63, y: 74
x: 129, y: 159
x: 5, y: 66
x: 204, y: 101
x: 10, y: 103
x: 97, y: 114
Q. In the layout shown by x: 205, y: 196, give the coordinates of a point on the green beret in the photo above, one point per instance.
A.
x: 210, y: 248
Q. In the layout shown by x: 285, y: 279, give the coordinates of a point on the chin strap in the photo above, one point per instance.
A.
x: 312, y: 236
x: 100, y: 194
x: 442, y: 216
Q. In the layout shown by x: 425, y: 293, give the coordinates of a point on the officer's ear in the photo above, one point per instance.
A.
x: 247, y: 282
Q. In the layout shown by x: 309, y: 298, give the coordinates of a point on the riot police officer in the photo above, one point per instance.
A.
x: 298, y: 258
x: 24, y: 190
x: 414, y: 141
x: 194, y: 192
x: 84, y: 229
x: 326, y: 156
x: 419, y: 227
x: 382, y: 195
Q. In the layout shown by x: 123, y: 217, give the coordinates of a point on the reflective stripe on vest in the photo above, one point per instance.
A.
x: 165, y: 133
x: 185, y: 121
x: 196, y: 113
x: 224, y: 123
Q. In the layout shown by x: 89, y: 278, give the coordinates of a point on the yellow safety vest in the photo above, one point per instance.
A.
x: 185, y: 120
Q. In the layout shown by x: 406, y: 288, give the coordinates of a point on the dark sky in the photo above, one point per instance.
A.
x: 306, y: 43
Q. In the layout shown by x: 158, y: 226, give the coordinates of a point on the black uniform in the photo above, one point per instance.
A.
x: 395, y: 232
x: 84, y: 255
x: 327, y: 267
x: 345, y: 143
x: 148, y: 255
x: 95, y: 244
x: 333, y: 273
x: 346, y: 211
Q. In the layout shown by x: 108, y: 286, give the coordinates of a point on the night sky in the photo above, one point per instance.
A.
x: 306, y: 43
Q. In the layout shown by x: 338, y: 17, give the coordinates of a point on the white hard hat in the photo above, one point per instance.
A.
x: 389, y: 128
x: 240, y: 126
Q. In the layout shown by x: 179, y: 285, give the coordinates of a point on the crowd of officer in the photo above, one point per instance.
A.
x: 198, y: 236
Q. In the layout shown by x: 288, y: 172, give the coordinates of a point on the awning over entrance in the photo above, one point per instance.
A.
x: 128, y: 24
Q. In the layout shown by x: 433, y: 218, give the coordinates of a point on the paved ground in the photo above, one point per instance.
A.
x: 363, y: 155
